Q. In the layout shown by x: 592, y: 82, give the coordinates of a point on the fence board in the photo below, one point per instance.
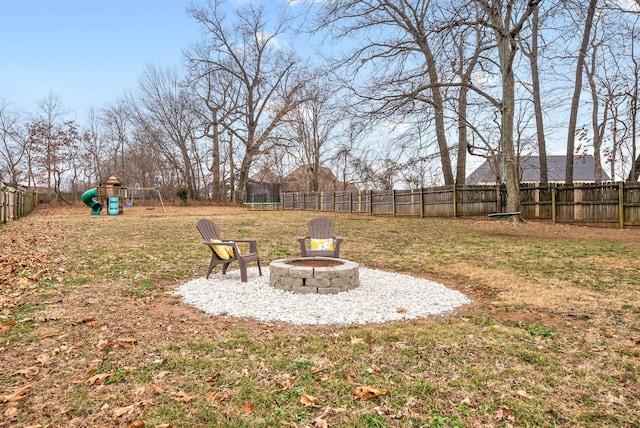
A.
x: 16, y: 203
x: 438, y: 202
x: 408, y: 202
x: 604, y: 204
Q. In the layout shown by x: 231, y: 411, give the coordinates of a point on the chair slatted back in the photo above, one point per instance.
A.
x: 207, y: 229
x: 320, y: 228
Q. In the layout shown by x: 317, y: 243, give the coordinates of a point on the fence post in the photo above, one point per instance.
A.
x: 370, y: 202
x: 455, y: 201
x: 393, y: 200
x: 421, y: 202
x: 2, y: 204
x: 577, y: 207
x: 553, y: 204
x: 621, y: 203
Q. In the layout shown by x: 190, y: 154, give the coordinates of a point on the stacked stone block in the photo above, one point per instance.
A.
x: 310, y: 279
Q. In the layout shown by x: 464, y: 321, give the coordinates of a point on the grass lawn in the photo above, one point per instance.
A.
x: 91, y: 334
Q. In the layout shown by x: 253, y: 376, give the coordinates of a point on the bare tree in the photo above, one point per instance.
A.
x: 12, y: 145
x: 244, y: 54
x: 397, y: 46
x: 165, y: 114
x: 507, y: 19
x: 532, y: 52
x: 575, y: 101
x: 598, y: 124
x: 469, y: 38
x: 54, y: 147
x: 346, y: 153
x: 94, y: 150
x: 214, y: 91
x: 312, y: 126
x: 116, y: 119
x: 634, y: 101
x: 42, y: 132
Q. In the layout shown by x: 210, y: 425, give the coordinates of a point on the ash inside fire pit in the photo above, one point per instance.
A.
x: 322, y: 275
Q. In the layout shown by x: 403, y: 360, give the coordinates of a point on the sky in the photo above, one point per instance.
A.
x: 87, y: 52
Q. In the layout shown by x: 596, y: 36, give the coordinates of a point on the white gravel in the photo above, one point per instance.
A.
x: 381, y: 297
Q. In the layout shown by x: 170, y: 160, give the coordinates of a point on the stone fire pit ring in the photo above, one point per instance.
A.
x: 314, y: 275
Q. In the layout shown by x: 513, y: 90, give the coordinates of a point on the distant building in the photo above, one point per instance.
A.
x: 583, y: 171
x: 300, y: 180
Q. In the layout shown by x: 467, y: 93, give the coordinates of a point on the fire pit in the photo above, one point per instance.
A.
x: 321, y: 275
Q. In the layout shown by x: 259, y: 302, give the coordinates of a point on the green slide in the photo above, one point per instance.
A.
x: 88, y: 199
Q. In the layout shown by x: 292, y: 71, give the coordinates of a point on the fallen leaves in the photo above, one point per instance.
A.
x: 524, y: 394
x: 367, y: 392
x: 217, y: 396
x: 128, y: 343
x: 356, y: 340
x: 18, y: 395
x: 309, y: 400
x: 29, y: 372
x: 105, y: 343
x: 504, y: 413
x: 6, y: 325
x: 83, y: 320
x: 125, y: 342
x: 183, y: 397
x: 99, y: 379
x: 122, y: 411
x: 28, y: 264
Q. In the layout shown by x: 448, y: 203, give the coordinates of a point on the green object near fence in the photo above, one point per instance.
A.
x: 114, y: 208
x: 88, y: 199
x: 503, y: 216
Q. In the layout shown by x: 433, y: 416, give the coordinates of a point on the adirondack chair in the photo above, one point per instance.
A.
x: 320, y: 242
x: 223, y: 252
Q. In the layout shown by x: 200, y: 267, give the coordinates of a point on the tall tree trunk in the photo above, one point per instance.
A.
x: 438, y: 108
x: 215, y: 151
x: 506, y: 126
x: 596, y: 128
x: 461, y: 167
x: 573, y: 118
x: 465, y: 80
x: 635, y: 158
x: 232, y: 172
x: 507, y: 31
x: 537, y: 99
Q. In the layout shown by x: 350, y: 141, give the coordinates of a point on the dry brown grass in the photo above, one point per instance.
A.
x: 91, y: 335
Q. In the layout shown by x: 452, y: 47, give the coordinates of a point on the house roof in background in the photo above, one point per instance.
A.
x: 583, y: 170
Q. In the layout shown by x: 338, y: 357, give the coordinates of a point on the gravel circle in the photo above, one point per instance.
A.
x: 381, y: 297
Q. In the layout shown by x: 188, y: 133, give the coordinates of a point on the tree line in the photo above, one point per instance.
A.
x: 393, y: 93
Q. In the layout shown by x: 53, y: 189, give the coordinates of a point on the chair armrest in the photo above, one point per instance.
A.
x: 253, y: 244
x: 303, y: 245
x: 217, y: 244
x: 338, y: 240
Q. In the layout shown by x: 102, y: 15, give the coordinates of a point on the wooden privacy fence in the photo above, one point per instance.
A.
x: 16, y: 203
x: 610, y: 204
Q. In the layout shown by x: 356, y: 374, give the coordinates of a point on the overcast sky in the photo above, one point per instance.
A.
x: 86, y: 52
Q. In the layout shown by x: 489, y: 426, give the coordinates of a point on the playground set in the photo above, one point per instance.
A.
x: 113, y: 195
